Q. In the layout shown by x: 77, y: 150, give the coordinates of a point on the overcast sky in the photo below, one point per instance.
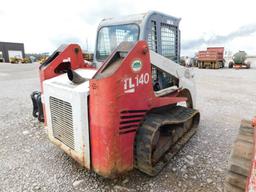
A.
x: 43, y: 25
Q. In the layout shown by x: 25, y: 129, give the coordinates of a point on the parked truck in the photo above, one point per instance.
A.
x: 212, y: 58
x: 239, y: 61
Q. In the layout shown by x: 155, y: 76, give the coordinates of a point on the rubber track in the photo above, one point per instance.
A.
x: 240, y: 159
x: 144, y: 137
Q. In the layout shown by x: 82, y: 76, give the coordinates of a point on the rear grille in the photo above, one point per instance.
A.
x: 62, y: 121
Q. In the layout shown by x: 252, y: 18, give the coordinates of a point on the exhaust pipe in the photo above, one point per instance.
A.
x: 75, y: 77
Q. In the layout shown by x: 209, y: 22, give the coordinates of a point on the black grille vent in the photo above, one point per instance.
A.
x: 62, y: 121
x: 130, y: 120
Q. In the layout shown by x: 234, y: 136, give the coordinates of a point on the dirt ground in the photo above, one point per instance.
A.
x: 29, y: 162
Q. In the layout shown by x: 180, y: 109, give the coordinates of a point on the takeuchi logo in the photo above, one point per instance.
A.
x: 136, y: 65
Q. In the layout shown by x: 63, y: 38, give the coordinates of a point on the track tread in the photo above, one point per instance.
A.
x: 145, y: 134
x: 231, y: 188
x: 240, y: 159
x: 243, y: 149
x: 236, y: 180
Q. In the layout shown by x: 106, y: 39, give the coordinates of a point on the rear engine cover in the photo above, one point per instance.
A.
x: 66, y: 107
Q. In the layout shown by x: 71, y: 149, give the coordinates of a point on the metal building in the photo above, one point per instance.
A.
x: 9, y: 50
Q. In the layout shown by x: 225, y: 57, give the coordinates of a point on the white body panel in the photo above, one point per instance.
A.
x: 64, y: 91
x: 185, y: 75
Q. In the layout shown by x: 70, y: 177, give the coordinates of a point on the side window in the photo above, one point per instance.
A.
x: 125, y: 35
x: 152, y: 37
x: 104, y: 48
x: 109, y: 37
x: 168, y: 41
x: 152, y: 43
x: 167, y: 36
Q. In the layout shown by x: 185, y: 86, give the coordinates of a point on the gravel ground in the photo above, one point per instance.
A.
x: 29, y: 162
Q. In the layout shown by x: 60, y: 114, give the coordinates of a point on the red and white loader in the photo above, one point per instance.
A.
x: 134, y: 107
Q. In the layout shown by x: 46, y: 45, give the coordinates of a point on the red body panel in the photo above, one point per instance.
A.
x: 118, y: 104
x: 254, y: 122
x: 251, y: 180
x: 71, y: 53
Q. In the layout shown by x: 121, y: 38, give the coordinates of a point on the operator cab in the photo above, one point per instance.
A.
x: 159, y: 30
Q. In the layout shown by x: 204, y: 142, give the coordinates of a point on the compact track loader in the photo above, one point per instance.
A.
x: 133, y: 107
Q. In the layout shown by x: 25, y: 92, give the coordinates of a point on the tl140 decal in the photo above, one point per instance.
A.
x: 131, y: 83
